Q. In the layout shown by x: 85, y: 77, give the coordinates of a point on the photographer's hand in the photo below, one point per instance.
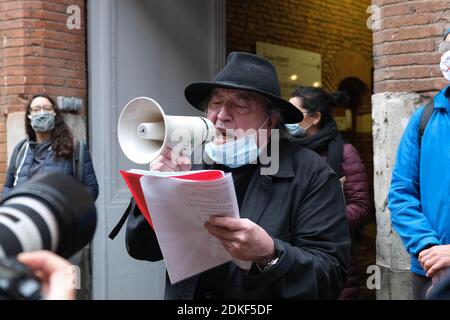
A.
x: 56, y: 274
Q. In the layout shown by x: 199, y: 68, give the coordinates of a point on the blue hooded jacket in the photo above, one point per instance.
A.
x: 49, y: 164
x: 419, y: 197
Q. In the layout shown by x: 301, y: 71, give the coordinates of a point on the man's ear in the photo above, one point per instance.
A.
x: 316, y: 116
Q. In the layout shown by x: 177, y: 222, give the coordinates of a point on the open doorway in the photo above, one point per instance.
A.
x: 344, y: 43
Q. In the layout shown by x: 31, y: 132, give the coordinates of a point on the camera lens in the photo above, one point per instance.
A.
x: 49, y: 212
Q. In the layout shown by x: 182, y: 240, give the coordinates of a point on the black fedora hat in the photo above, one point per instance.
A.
x: 245, y: 71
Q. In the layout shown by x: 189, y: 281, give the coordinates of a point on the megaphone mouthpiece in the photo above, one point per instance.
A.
x: 152, y: 131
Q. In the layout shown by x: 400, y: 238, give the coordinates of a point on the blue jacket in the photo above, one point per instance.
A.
x: 419, y: 197
x: 50, y: 165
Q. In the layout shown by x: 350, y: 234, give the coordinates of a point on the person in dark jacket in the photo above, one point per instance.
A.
x: 292, y: 227
x: 440, y: 288
x: 49, y: 147
x: 318, y: 132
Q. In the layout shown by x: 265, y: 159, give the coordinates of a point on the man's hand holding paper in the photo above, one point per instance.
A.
x: 242, y: 238
x: 179, y: 208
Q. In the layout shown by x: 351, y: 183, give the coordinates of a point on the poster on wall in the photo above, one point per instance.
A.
x: 295, y: 67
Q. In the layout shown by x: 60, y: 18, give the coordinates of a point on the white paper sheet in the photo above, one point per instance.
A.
x: 179, y: 208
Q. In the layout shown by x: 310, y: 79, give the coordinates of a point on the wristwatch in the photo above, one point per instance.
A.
x: 267, y: 265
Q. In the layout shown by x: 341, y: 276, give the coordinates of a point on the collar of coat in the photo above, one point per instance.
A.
x: 286, y: 167
x: 442, y: 99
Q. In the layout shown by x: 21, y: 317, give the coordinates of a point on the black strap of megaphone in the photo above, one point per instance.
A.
x: 115, y: 231
x: 206, y: 125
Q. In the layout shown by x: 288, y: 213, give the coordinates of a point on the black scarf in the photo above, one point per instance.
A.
x: 327, y: 141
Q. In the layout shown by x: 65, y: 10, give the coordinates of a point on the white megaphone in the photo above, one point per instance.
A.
x: 144, y: 131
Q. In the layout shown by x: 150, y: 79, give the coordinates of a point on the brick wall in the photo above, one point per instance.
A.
x: 406, y: 58
x: 327, y: 27
x: 38, y: 53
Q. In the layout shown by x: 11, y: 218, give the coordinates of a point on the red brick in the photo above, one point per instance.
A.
x: 17, y: 61
x: 431, y: 6
x: 14, y: 5
x: 385, y: 2
x: 61, y: 45
x: 407, y: 59
x: 16, y: 108
x: 400, y: 9
x: 45, y: 71
x: 407, y: 33
x: 400, y: 22
x: 21, y: 51
x: 44, y: 80
x: 425, y: 45
x: 419, y: 85
x: 14, y: 90
x: 12, y: 25
x: 53, y: 63
x: 13, y: 33
x: 409, y: 72
x: 78, y: 83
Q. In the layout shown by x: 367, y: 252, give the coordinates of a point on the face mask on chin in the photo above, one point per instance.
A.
x: 235, y: 153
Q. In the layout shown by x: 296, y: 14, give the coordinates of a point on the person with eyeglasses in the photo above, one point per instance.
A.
x: 292, y: 226
x: 318, y: 132
x: 49, y: 147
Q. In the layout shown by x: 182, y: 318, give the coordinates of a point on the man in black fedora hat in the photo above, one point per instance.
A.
x: 292, y: 227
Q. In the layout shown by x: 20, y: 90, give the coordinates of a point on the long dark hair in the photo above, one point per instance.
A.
x: 61, y: 136
x: 328, y: 139
x: 318, y: 100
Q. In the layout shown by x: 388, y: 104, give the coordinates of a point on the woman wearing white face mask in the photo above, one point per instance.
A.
x: 318, y: 132
x: 49, y: 147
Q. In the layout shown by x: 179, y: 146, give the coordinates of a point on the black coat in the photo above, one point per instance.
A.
x: 302, y: 207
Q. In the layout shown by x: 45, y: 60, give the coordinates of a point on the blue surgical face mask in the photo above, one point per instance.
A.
x: 42, y: 121
x: 296, y: 130
x: 235, y: 153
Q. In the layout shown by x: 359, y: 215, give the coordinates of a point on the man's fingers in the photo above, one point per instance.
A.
x: 167, y: 153
x: 232, y: 224
x: 165, y: 162
x: 433, y: 270
x: 219, y: 232
x: 439, y: 266
x: 429, y: 262
x: 163, y: 165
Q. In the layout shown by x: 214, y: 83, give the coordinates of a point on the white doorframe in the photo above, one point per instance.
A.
x: 103, y: 63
